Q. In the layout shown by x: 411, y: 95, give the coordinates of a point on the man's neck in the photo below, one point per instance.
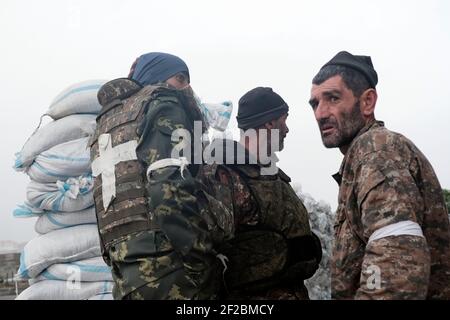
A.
x: 344, y: 149
x: 368, y: 123
x: 250, y: 147
x: 253, y: 150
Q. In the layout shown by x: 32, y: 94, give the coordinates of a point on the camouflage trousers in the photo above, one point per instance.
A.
x: 145, y: 267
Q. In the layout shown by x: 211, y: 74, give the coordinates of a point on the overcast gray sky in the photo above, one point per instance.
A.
x: 230, y: 48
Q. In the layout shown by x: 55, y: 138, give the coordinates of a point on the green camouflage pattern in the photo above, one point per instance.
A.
x: 385, y: 179
x: 172, y: 256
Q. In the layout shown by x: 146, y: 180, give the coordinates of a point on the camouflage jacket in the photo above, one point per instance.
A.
x: 385, y: 179
x: 273, y: 249
x: 175, y: 258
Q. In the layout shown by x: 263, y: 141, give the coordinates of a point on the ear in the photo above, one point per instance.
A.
x: 270, y: 125
x: 368, y: 100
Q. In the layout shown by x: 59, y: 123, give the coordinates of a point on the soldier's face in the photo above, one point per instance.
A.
x: 282, y: 126
x: 337, y: 112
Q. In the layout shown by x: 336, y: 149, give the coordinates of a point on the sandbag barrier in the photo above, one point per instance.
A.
x: 63, y: 261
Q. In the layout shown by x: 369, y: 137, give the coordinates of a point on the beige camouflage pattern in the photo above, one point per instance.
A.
x: 385, y: 179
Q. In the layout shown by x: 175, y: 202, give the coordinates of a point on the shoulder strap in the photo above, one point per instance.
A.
x: 283, y: 176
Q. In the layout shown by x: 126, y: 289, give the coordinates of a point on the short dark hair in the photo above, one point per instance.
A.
x: 353, y: 79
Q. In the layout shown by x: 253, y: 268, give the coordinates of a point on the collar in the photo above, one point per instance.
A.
x: 254, y: 158
x: 369, y: 126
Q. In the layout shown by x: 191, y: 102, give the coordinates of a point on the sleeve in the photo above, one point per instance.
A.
x: 161, y: 121
x: 177, y: 203
x: 394, y: 266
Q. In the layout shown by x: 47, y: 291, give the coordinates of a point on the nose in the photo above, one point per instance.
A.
x: 322, y: 111
x: 184, y: 85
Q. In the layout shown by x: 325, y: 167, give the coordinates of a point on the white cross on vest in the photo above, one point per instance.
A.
x: 106, y: 162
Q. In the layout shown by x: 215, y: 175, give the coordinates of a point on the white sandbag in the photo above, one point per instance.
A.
x: 217, y: 115
x: 65, y: 160
x: 56, y: 132
x: 65, y: 290
x: 102, y: 296
x: 58, y: 220
x: 26, y: 210
x: 88, y: 270
x: 59, y: 246
x: 78, y: 98
x: 72, y: 195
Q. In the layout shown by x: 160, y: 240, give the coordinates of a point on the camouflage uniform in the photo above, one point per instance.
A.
x: 158, y: 234
x: 385, y: 179
x: 273, y: 249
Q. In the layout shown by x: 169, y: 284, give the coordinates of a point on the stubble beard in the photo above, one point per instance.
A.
x: 345, y: 131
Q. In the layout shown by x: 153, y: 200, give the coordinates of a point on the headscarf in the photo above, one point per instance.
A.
x: 155, y: 67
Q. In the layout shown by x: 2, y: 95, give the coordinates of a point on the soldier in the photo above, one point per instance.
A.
x: 392, y: 238
x: 156, y: 228
x: 273, y: 249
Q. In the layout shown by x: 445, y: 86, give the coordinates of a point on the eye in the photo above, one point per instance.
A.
x: 181, y: 78
x: 334, y: 99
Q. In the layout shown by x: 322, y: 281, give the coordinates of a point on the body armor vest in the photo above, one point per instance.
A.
x: 124, y: 105
x: 280, y: 248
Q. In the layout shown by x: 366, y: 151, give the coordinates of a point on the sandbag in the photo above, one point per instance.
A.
x: 59, y: 246
x: 87, y: 270
x: 58, y: 220
x: 72, y: 195
x: 65, y: 160
x: 65, y: 290
x: 102, y: 296
x: 56, y: 132
x: 216, y: 115
x: 78, y: 98
x: 26, y: 210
